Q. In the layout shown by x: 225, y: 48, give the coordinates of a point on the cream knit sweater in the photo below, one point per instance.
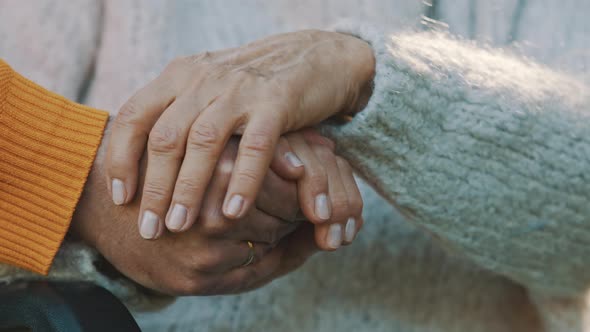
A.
x: 484, y: 151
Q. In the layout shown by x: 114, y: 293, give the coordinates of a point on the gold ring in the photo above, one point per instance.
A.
x: 251, y: 254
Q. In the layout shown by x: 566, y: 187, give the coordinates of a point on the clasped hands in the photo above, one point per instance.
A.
x: 201, y: 194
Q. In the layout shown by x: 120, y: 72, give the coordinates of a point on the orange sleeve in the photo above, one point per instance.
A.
x: 47, y: 147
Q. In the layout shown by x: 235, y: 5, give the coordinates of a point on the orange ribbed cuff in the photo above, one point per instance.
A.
x: 47, y: 147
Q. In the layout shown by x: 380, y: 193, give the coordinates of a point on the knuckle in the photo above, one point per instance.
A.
x: 187, y: 187
x: 165, y: 139
x: 340, y: 207
x: 154, y: 191
x: 203, y: 136
x: 118, y: 162
x: 248, y: 176
x: 318, y: 180
x: 258, y: 143
x: 129, y: 113
x: 340, y: 201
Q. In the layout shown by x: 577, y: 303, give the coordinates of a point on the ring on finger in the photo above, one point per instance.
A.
x: 251, y: 254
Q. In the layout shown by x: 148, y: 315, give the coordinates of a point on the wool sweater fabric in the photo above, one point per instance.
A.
x: 47, y: 147
x: 482, y: 150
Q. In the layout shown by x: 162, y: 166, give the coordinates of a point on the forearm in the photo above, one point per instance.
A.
x: 487, y: 151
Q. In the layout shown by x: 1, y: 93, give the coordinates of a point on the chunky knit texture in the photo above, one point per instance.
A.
x: 487, y: 151
x: 47, y: 147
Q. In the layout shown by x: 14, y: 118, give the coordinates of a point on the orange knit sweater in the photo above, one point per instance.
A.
x: 47, y: 147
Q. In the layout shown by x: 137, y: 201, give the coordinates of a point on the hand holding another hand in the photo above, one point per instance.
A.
x: 327, y: 190
x: 208, y: 258
x: 261, y: 90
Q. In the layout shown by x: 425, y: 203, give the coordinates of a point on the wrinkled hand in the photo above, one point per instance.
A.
x: 208, y: 258
x: 261, y: 90
x: 326, y: 187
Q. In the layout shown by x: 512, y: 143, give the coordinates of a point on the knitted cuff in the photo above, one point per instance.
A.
x: 47, y: 147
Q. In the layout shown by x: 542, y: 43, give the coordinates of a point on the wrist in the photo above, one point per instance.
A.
x: 87, y: 210
x: 363, y: 63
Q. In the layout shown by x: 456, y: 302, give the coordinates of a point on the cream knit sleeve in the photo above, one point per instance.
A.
x: 488, y: 151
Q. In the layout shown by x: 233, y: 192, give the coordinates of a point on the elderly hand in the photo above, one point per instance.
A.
x: 261, y: 90
x: 208, y: 258
x: 324, y: 173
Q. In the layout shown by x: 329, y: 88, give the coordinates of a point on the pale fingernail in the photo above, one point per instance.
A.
x: 118, y: 191
x: 177, y: 217
x: 149, y: 225
x: 322, y: 208
x: 334, y: 236
x: 350, y: 229
x: 234, y: 206
x: 293, y: 160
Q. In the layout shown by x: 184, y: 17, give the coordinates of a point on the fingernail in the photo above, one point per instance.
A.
x: 234, y: 206
x: 177, y: 218
x: 118, y: 191
x: 334, y: 236
x: 350, y: 229
x: 293, y: 160
x: 149, y: 225
x: 322, y: 208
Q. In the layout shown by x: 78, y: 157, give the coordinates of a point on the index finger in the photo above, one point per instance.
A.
x: 129, y: 136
